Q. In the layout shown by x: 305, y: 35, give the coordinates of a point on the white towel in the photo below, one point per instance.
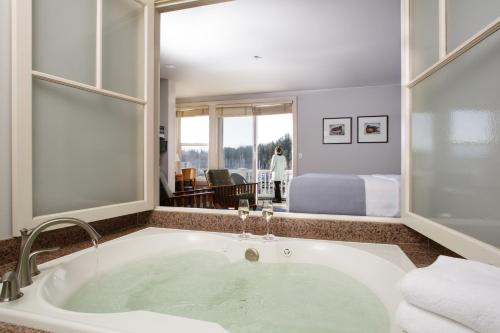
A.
x: 465, y: 291
x: 415, y: 320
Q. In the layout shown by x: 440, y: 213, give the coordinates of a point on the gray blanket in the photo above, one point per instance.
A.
x: 327, y: 194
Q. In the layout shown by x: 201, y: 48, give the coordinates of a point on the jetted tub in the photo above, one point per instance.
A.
x: 164, y: 280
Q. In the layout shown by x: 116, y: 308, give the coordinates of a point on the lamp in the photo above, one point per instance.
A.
x: 177, y: 162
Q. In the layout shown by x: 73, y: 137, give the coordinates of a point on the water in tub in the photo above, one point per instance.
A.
x: 244, y: 297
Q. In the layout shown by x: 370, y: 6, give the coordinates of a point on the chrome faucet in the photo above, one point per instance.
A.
x: 22, y: 277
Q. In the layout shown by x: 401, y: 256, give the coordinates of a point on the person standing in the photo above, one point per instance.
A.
x: 278, y: 166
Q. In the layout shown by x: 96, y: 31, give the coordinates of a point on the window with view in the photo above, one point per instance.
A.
x: 237, y: 146
x: 193, y: 146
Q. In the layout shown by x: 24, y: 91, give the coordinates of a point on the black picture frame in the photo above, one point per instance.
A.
x: 359, y: 127
x: 337, y: 118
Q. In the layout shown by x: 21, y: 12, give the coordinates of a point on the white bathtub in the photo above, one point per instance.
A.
x: 378, y: 266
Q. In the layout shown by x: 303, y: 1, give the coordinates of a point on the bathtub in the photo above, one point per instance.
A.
x: 379, y: 267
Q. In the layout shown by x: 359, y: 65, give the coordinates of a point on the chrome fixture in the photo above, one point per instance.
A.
x: 26, y: 265
x: 23, y: 271
x: 33, y: 256
x: 251, y: 254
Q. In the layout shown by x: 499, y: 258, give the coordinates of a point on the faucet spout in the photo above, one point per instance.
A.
x: 23, y: 272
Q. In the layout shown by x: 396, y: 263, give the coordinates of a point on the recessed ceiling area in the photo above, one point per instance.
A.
x: 253, y: 46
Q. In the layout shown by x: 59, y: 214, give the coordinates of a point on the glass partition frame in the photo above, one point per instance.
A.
x: 22, y: 76
x: 461, y: 243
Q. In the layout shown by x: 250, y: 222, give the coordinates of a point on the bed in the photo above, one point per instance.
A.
x: 361, y: 195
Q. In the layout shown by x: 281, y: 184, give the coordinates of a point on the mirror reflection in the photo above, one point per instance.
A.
x: 309, y: 124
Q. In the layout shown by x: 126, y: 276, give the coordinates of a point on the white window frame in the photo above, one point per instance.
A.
x: 461, y: 243
x: 22, y: 76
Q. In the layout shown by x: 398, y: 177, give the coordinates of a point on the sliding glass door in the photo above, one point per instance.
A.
x: 273, y: 130
x: 248, y: 135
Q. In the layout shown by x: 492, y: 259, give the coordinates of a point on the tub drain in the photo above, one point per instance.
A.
x: 287, y: 252
x: 252, y: 255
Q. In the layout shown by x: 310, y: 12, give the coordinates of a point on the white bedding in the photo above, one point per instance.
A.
x: 382, y: 195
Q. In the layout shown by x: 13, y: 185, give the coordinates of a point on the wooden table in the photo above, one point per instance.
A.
x: 179, y: 182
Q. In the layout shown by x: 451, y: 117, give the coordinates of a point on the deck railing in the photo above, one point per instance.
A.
x: 265, y: 186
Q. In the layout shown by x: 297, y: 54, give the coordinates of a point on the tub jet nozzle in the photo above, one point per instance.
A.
x: 252, y: 255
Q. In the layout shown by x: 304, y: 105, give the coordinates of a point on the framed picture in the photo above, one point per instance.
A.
x: 337, y: 130
x: 373, y: 129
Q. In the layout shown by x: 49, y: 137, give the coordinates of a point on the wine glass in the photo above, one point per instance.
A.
x: 267, y: 213
x: 243, y: 212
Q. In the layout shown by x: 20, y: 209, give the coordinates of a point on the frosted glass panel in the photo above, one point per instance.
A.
x: 424, y: 34
x: 64, y: 38
x: 465, y: 18
x: 87, y: 149
x: 123, y: 47
x: 456, y: 144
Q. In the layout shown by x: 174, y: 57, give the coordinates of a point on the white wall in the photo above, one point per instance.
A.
x: 313, y: 106
x: 5, y: 123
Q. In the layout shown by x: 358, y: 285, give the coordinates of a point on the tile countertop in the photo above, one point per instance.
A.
x: 9, y: 328
x: 422, y: 252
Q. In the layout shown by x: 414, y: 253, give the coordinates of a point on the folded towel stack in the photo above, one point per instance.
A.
x: 453, y: 296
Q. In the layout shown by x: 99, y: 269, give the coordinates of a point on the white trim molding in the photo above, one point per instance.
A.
x: 456, y: 241
x: 151, y: 128
x: 85, y: 87
x: 460, y: 50
x: 22, y: 201
x: 443, y: 38
x: 405, y: 107
x: 98, y: 48
x: 172, y: 5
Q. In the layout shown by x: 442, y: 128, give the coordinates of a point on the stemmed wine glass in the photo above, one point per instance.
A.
x: 243, y: 212
x: 267, y: 213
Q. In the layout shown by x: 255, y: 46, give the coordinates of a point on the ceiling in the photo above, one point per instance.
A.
x: 304, y: 44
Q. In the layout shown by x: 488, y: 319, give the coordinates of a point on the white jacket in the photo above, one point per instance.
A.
x: 278, y: 166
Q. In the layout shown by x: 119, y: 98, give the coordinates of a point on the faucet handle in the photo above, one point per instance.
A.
x: 10, y: 288
x: 33, y: 256
x: 24, y: 235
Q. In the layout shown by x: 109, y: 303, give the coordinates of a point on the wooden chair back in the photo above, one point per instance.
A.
x: 189, y: 176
